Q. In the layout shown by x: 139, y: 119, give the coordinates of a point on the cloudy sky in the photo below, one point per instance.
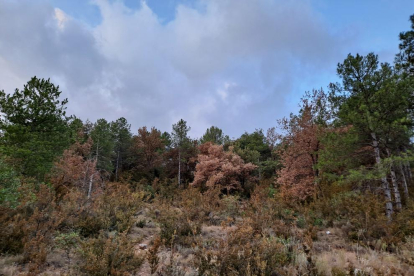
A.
x: 235, y: 64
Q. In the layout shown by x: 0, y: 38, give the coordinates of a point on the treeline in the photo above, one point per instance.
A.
x: 37, y: 135
x: 353, y: 141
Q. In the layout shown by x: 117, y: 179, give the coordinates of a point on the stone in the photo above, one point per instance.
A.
x: 142, y: 246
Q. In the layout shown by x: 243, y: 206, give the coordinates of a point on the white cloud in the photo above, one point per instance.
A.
x: 223, y: 91
x: 61, y: 18
x: 229, y: 63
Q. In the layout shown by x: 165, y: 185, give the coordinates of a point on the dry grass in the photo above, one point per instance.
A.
x: 356, y: 259
x: 9, y: 265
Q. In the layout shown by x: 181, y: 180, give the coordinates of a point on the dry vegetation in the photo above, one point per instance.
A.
x: 195, y: 233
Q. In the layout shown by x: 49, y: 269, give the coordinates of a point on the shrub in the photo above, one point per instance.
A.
x: 175, y: 226
x: 114, y: 209
x: 152, y: 255
x: 67, y: 241
x: 108, y: 255
x: 241, y: 253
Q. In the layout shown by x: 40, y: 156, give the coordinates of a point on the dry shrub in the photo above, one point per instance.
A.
x: 152, y: 255
x: 176, y: 226
x: 66, y: 242
x: 166, y: 189
x: 268, y: 213
x: 39, y: 228
x: 242, y: 252
x: 29, y: 228
x: 114, y: 209
x: 72, y: 206
x: 9, y: 265
x: 362, y: 215
x: 109, y: 255
x: 200, y: 205
x: 231, y: 205
x: 342, y: 262
x: 12, y: 220
x: 11, y: 238
x: 404, y: 221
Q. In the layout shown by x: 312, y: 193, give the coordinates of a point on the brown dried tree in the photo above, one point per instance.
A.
x: 299, y: 150
x: 217, y: 167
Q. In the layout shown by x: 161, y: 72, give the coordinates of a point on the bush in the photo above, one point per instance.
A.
x: 108, y: 255
x: 175, y: 226
x: 11, y: 238
x: 113, y: 210
x: 241, y: 253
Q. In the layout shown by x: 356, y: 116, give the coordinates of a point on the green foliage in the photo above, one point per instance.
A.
x: 405, y: 59
x: 253, y: 148
x: 35, y: 126
x: 166, y: 140
x: 9, y: 185
x: 185, y: 148
x: 215, y: 136
x: 373, y: 98
x: 122, y: 142
x: 66, y: 241
x: 179, y: 134
x: 341, y: 152
x: 103, y: 145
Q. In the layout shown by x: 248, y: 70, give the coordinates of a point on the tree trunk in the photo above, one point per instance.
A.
x: 404, y: 182
x: 97, y: 153
x: 408, y: 170
x: 90, y: 186
x: 384, y: 181
x: 397, y: 195
x: 394, y: 183
x: 179, y: 168
x: 117, y: 165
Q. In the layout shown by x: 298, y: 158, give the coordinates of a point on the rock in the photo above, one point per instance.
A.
x: 157, y: 213
x: 142, y: 246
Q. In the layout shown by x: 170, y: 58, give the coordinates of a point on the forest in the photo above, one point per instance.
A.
x: 328, y: 191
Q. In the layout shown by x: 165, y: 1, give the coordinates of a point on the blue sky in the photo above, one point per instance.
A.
x: 235, y: 64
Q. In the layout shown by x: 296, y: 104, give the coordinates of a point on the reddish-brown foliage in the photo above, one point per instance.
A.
x: 74, y: 169
x: 299, y: 150
x: 217, y: 167
x: 147, y: 149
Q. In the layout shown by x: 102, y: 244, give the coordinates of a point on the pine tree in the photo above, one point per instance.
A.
x: 103, y: 145
x: 34, y: 127
x: 376, y: 101
x: 122, y: 142
x: 180, y: 141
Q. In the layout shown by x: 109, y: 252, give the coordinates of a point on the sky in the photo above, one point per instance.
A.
x: 239, y: 65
